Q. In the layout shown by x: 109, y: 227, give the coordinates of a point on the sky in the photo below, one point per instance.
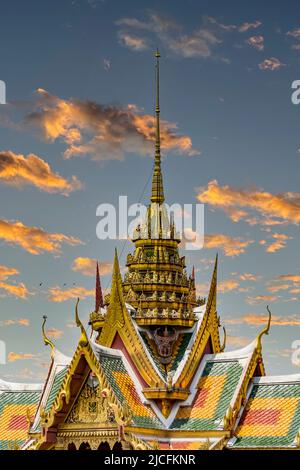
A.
x: 77, y: 131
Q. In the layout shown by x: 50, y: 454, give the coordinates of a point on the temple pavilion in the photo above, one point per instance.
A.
x: 155, y: 373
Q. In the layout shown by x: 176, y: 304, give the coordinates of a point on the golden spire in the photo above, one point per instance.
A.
x: 157, y: 195
x: 47, y: 341
x: 116, y: 305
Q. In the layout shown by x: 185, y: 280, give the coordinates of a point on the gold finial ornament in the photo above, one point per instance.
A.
x: 157, y: 195
x: 47, y: 341
x: 83, y: 338
x: 222, y: 348
x: 265, y: 331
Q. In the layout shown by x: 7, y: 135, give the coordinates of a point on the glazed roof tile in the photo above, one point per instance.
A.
x: 215, y: 390
x: 126, y: 390
x: 16, y: 402
x: 271, y: 417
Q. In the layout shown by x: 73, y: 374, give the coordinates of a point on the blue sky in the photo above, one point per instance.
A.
x: 226, y: 74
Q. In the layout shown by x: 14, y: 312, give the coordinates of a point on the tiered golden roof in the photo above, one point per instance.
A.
x: 156, y: 283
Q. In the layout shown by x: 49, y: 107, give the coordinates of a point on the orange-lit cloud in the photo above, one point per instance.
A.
x: 231, y: 284
x: 278, y: 287
x: 284, y: 207
x: 54, y: 333
x: 279, y: 243
x: 289, y: 277
x: 237, y: 341
x: 246, y: 289
x: 56, y: 294
x: 34, y: 239
x: 271, y: 64
x: 19, y: 170
x: 16, y: 290
x: 249, y: 277
x: 87, y: 266
x: 12, y: 356
x: 19, y: 321
x: 257, y: 320
x: 102, y: 132
x: 290, y: 282
x: 261, y: 298
x: 6, y: 272
x: 228, y: 285
x: 231, y: 246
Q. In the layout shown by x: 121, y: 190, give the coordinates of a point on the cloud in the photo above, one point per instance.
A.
x: 56, y: 294
x: 279, y: 243
x: 249, y: 277
x: 16, y: 290
x: 34, y: 239
x: 295, y: 33
x: 278, y: 287
x: 284, y: 207
x: 6, y: 272
x: 19, y: 170
x: 106, y: 64
x: 246, y: 26
x: 261, y: 298
x: 271, y: 64
x: 257, y: 42
x: 231, y: 246
x: 133, y: 42
x: 289, y: 277
x: 231, y: 284
x: 199, y: 43
x: 254, y: 319
x: 290, y: 282
x: 19, y: 322
x: 225, y: 27
x: 102, y: 132
x: 87, y: 266
x: 237, y: 341
x: 228, y: 285
x: 12, y: 356
x: 54, y: 333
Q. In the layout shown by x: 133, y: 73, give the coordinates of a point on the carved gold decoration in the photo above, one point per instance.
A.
x: 91, y: 407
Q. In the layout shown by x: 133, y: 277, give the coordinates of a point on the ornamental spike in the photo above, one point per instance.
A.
x: 98, y: 291
x: 47, y: 341
x: 83, y: 341
x: 265, y: 331
x: 157, y: 195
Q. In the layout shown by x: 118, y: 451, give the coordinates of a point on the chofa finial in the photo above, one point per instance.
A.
x: 265, y: 331
x: 222, y: 348
x: 83, y: 338
x: 47, y: 340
